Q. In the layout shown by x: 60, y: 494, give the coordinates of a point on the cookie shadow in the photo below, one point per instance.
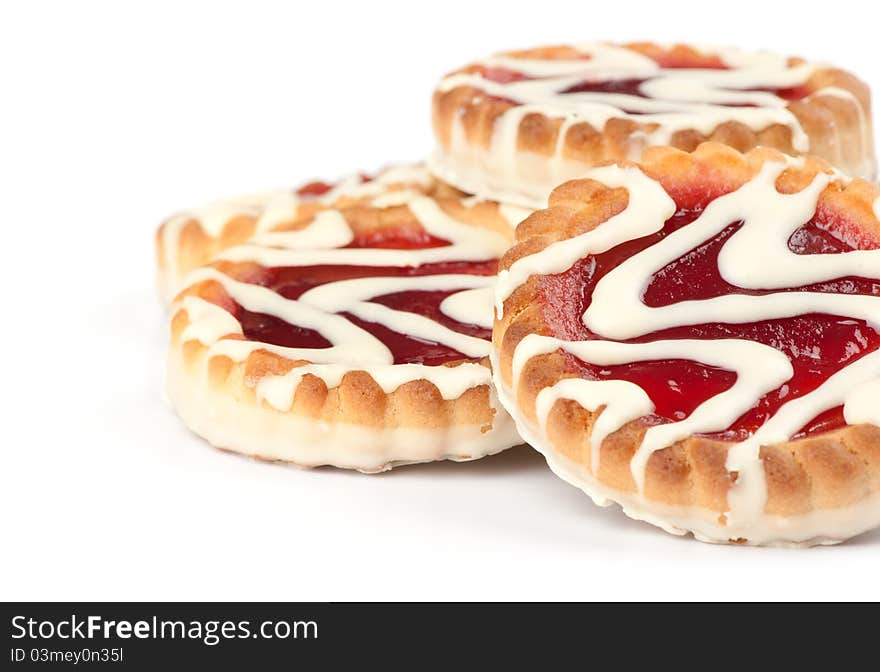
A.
x: 516, y: 460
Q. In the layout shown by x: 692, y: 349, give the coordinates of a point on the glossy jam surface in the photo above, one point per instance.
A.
x: 313, y: 189
x: 631, y: 86
x: 501, y: 75
x: 628, y: 87
x: 292, y: 282
x: 817, y: 345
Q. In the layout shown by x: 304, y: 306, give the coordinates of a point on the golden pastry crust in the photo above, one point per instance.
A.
x: 350, y: 421
x: 827, y: 471
x: 832, y: 107
x: 191, y: 239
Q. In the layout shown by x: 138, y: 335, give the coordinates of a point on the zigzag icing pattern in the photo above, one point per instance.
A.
x: 282, y: 206
x: 756, y: 256
x: 673, y: 99
x: 353, y: 348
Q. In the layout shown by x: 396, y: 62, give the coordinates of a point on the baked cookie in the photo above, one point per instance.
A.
x: 697, y: 338
x: 190, y: 239
x: 514, y: 126
x: 358, y: 338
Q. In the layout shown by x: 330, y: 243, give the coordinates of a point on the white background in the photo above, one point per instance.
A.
x: 116, y: 114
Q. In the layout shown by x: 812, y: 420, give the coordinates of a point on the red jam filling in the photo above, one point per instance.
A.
x: 628, y: 87
x: 818, y: 345
x: 318, y: 188
x: 313, y: 189
x: 632, y: 86
x: 501, y: 75
x: 292, y: 282
x: 790, y: 94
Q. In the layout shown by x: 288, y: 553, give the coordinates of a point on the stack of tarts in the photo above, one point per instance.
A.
x: 659, y: 266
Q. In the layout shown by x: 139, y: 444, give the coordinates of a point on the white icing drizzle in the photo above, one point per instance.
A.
x: 328, y: 229
x: 863, y: 405
x: 621, y: 402
x: 208, y: 322
x: 676, y: 99
x: 258, y: 430
x: 654, y: 207
x: 617, y: 311
x: 353, y: 296
x: 343, y: 334
x: 274, y: 208
x: 472, y: 306
x: 756, y: 256
x: 760, y: 369
x: 672, y: 100
x: 470, y: 243
x: 353, y: 348
x: 749, y: 495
